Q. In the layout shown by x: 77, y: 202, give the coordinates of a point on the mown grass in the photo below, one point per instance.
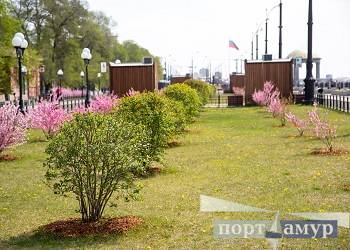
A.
x: 241, y: 155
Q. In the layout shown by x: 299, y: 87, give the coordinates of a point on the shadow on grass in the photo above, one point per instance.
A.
x: 37, y: 140
x: 38, y: 240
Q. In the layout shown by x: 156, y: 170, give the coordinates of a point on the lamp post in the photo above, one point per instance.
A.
x: 86, y: 56
x: 82, y: 74
x: 20, y: 44
x: 24, y: 73
x: 280, y: 33
x: 60, y: 76
x: 99, y: 82
x: 309, y: 80
x: 42, y: 86
x: 267, y: 18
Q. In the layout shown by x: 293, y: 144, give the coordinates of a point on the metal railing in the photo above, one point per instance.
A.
x: 335, y: 102
x: 218, y: 101
x: 67, y: 104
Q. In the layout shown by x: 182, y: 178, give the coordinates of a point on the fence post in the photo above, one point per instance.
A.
x: 219, y: 101
x: 347, y: 104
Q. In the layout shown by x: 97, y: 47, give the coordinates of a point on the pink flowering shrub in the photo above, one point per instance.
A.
x: 259, y: 98
x: 132, y: 92
x: 238, y: 91
x: 49, y: 117
x: 322, y: 129
x: 299, y: 124
x: 67, y: 92
x: 13, y: 127
x: 103, y: 103
x: 263, y: 97
x: 277, y: 107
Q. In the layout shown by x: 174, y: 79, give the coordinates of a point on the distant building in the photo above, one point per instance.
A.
x: 204, y: 73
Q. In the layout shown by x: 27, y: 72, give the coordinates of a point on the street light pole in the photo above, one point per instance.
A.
x: 266, y: 33
x: 280, y: 33
x: 309, y: 80
x: 59, y: 75
x: 82, y: 74
x: 253, y: 46
x: 257, y: 45
x: 99, y: 82
x: 20, y: 44
x: 86, y: 56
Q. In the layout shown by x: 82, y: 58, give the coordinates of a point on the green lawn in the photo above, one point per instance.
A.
x: 240, y: 155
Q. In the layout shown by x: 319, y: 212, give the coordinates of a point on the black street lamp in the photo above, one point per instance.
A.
x: 60, y: 76
x: 309, y: 80
x: 42, y: 86
x: 24, y: 80
x: 82, y: 74
x: 99, y: 82
x: 280, y: 33
x: 20, y: 44
x: 86, y: 56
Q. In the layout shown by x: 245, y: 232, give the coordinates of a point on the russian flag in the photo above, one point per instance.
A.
x: 231, y: 44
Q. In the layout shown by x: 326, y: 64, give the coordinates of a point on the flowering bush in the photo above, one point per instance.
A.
x: 322, y: 129
x: 13, y: 127
x: 67, y: 92
x: 277, y: 107
x: 299, y: 124
x: 132, y: 92
x: 47, y: 116
x: 238, y: 91
x: 263, y: 97
x: 259, y: 98
x: 103, y: 103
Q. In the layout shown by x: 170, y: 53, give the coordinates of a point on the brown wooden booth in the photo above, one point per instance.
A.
x: 139, y: 76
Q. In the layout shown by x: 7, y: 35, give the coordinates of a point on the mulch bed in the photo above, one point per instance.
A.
x: 346, y: 187
x: 76, y: 228
x: 8, y: 158
x: 325, y: 152
x: 173, y: 144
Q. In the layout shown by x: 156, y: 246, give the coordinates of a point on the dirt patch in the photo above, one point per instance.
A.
x: 325, y: 152
x: 76, y: 228
x: 8, y: 158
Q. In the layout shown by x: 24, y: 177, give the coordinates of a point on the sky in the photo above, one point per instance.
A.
x: 180, y: 31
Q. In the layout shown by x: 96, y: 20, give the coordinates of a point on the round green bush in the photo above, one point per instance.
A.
x: 94, y: 156
x: 160, y: 117
x: 204, y: 89
x: 187, y: 96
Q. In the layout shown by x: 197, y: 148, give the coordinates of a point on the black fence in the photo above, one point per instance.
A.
x: 225, y: 100
x: 67, y: 104
x: 336, y: 102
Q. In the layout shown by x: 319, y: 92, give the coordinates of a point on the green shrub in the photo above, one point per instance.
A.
x: 204, y: 89
x: 157, y: 114
x: 177, y: 116
x: 187, y: 96
x: 94, y: 156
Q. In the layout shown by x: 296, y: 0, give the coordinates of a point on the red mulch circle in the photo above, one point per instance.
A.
x: 76, y: 228
x: 325, y: 152
x: 8, y: 158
